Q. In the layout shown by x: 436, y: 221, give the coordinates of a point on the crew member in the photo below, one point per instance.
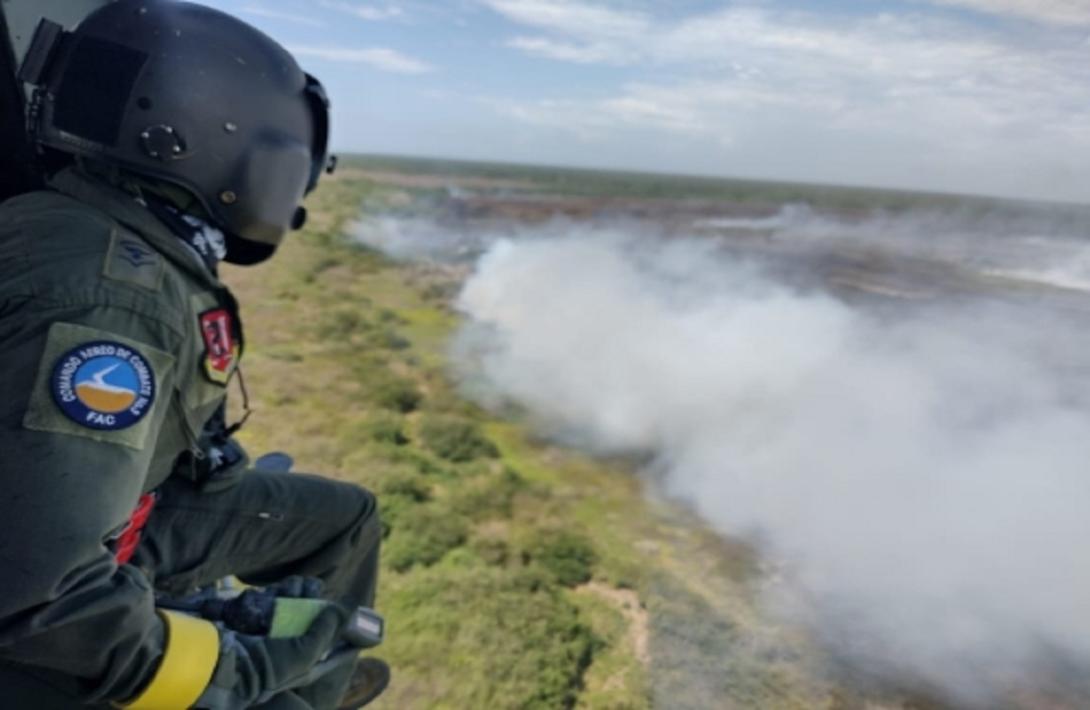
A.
x: 176, y: 136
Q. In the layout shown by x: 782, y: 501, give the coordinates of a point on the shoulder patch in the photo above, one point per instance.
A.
x: 103, y: 385
x: 221, y: 349
x: 130, y: 260
x: 96, y: 384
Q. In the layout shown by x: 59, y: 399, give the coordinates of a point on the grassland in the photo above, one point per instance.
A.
x: 515, y: 574
x: 483, y: 566
x: 653, y: 186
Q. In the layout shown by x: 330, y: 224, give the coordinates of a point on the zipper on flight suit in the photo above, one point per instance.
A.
x: 195, y: 449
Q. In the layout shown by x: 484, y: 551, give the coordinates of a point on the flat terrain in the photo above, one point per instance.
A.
x: 517, y: 574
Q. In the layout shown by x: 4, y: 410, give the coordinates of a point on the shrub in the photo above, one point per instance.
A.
x: 421, y: 536
x: 405, y: 484
x: 493, y: 550
x: 387, y: 315
x: 396, y: 393
x: 386, y: 429
x: 392, y: 507
x: 509, y: 641
x: 390, y: 339
x: 440, y: 291
x: 324, y: 263
x: 489, y: 496
x: 420, y: 461
x: 455, y: 439
x: 567, y: 556
x: 342, y: 323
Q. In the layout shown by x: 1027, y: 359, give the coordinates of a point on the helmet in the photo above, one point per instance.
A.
x: 185, y: 94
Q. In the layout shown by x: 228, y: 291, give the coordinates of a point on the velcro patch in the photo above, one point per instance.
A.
x: 96, y: 384
x: 221, y: 347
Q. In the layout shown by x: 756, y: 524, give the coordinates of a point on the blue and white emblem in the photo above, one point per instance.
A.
x: 103, y: 385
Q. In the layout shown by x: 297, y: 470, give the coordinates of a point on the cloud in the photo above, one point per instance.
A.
x: 899, y: 100
x: 574, y: 18
x: 682, y: 110
x: 371, y: 13
x: 568, y: 52
x: 1057, y: 12
x: 707, y: 40
x: 378, y: 57
x: 261, y: 11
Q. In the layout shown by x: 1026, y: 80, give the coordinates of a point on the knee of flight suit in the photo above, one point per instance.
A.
x: 364, y: 538
x: 357, y: 514
x: 367, y: 519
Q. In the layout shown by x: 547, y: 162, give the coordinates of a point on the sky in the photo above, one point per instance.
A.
x: 973, y: 96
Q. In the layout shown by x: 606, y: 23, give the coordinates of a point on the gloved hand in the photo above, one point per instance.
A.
x: 262, y: 642
x: 252, y: 669
x: 282, y: 609
x: 297, y: 587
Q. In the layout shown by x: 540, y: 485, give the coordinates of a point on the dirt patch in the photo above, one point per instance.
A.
x: 626, y: 601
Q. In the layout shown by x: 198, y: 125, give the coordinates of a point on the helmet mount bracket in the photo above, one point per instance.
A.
x: 163, y: 143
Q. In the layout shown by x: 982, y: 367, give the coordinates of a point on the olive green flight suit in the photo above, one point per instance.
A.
x: 91, y: 282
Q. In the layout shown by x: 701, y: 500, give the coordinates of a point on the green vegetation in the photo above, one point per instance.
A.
x: 569, y: 558
x: 396, y: 393
x: 423, y: 535
x: 515, y: 574
x: 639, y: 185
x: 349, y: 349
x: 455, y: 439
x: 515, y: 641
x: 389, y: 429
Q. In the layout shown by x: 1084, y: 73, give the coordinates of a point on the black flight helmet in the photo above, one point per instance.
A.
x: 186, y: 94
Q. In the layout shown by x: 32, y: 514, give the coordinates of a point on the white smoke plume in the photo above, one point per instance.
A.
x: 922, y: 478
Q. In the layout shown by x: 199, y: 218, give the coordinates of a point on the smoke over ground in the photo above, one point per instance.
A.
x: 919, y: 478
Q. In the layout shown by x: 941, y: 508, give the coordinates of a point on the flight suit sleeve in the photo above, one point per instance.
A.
x: 85, y: 393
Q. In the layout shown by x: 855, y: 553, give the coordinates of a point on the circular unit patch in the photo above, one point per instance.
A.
x: 103, y: 385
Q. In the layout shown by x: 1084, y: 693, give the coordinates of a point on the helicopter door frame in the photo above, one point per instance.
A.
x: 17, y: 159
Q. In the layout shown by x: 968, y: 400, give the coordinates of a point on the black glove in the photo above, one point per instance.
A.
x: 255, y: 610
x: 297, y: 587
x: 252, y: 669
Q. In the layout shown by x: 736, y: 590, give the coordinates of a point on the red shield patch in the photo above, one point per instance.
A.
x: 220, y: 345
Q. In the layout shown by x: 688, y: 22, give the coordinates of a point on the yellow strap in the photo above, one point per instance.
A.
x: 192, y: 649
